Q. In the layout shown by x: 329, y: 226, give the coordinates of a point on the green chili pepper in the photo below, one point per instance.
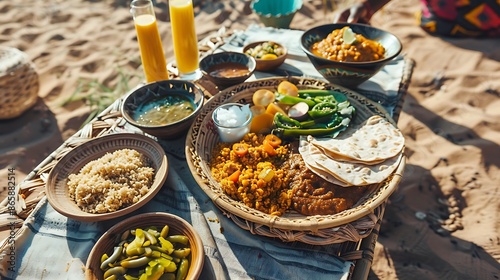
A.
x: 168, y: 276
x: 130, y: 277
x: 327, y: 126
x: 154, y: 272
x: 282, y: 121
x: 118, y: 270
x: 181, y: 253
x: 183, y: 270
x: 295, y: 132
x: 292, y: 100
x: 335, y: 120
x: 117, y: 251
x: 150, y: 237
x: 312, y: 93
x: 322, y: 109
x: 317, y: 123
x: 172, y: 267
x: 308, y: 124
x: 178, y: 239
x: 164, y: 231
x: 112, y: 277
x: 133, y: 263
x: 166, y: 245
x: 326, y: 98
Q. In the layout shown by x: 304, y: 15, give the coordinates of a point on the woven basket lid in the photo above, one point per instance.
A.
x: 19, y: 83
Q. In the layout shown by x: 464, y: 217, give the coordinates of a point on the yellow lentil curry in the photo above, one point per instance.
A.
x: 334, y: 48
x: 270, y: 176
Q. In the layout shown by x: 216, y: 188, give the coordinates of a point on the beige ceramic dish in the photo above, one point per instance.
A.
x: 74, y: 160
x: 176, y: 224
x: 264, y: 64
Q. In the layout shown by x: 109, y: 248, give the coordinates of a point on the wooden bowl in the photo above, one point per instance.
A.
x: 267, y: 64
x: 74, y: 160
x: 176, y: 224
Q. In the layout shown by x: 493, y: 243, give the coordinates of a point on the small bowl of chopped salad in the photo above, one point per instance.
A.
x: 269, y: 55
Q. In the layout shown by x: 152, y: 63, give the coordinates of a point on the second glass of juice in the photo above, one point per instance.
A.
x: 184, y: 38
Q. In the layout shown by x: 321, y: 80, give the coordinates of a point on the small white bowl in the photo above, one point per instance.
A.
x: 232, y: 133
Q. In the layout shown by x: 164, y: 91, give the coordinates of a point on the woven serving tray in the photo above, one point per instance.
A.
x: 349, y: 225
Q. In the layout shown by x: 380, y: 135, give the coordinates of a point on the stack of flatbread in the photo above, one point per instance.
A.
x: 362, y: 155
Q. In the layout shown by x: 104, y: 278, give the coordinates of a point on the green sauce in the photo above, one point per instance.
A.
x: 164, y: 110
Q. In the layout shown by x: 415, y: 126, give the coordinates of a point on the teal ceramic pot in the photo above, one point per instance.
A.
x: 276, y: 13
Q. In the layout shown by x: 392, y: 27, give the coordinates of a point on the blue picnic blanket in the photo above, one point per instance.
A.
x: 52, y: 246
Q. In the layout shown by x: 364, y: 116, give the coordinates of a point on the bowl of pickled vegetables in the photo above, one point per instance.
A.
x: 147, y: 246
x: 269, y: 55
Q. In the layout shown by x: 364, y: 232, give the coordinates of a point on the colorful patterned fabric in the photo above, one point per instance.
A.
x: 461, y: 18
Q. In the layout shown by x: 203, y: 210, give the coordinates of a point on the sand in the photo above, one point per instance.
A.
x: 442, y: 223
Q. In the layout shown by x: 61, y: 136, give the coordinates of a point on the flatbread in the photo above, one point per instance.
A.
x: 357, y: 174
x: 345, y: 173
x: 374, y: 141
x: 314, y: 167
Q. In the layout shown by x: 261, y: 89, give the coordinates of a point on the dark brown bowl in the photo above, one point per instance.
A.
x: 216, y: 59
x: 156, y: 90
x: 267, y: 65
x: 350, y: 74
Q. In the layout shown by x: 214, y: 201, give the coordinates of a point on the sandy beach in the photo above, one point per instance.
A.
x: 442, y: 223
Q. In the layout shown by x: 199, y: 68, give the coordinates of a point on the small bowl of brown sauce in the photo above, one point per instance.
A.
x: 165, y: 109
x: 227, y: 69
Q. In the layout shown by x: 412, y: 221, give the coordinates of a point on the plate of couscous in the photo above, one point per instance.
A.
x: 107, y: 177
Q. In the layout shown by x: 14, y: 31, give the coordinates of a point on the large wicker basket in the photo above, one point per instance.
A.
x: 349, y: 225
x: 19, y: 83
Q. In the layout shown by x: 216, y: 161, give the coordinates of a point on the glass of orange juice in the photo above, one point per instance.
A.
x: 184, y: 38
x: 150, y: 45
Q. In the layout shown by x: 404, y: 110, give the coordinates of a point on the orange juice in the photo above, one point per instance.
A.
x: 184, y: 35
x: 152, y: 56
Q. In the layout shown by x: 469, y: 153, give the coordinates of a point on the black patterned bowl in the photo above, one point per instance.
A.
x: 156, y: 92
x: 226, y: 69
x: 349, y: 74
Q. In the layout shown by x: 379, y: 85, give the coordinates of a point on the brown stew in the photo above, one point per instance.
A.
x: 228, y: 70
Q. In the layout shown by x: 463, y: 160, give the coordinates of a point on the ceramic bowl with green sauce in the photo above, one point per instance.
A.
x: 165, y: 109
